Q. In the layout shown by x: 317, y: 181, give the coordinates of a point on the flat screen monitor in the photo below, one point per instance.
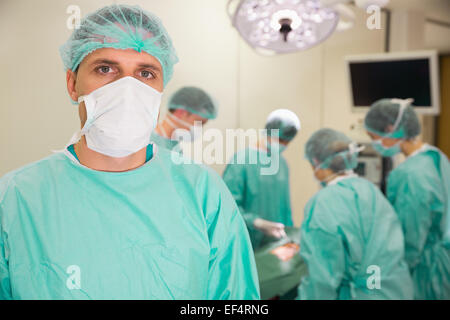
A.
x: 395, y: 75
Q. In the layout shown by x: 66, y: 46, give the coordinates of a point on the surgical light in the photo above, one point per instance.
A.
x: 283, y: 26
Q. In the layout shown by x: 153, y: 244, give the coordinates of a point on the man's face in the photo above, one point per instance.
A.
x: 387, y: 142
x: 188, y: 117
x: 280, y: 141
x: 192, y: 118
x: 107, y: 65
x: 284, y: 142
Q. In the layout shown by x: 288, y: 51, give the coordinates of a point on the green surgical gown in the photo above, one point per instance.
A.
x: 419, y: 191
x: 352, y: 242
x: 161, y: 231
x: 161, y: 141
x: 265, y: 196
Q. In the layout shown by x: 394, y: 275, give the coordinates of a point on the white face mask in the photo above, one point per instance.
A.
x: 120, y: 117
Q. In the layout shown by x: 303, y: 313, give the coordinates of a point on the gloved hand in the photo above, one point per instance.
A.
x: 273, y: 229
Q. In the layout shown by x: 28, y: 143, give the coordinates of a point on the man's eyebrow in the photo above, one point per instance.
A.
x: 115, y: 63
x: 105, y: 61
x: 149, y: 66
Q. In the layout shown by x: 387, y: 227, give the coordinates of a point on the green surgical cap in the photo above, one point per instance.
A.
x: 389, y: 112
x: 120, y: 27
x: 285, y: 121
x: 331, y: 149
x: 194, y: 100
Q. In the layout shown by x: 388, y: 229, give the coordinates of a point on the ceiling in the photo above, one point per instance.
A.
x: 434, y: 9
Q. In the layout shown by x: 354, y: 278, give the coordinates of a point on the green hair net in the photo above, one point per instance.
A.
x: 393, y: 112
x: 285, y: 121
x: 331, y: 149
x: 120, y: 27
x: 195, y: 101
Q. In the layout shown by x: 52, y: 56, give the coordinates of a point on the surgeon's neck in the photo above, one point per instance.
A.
x: 101, y: 162
x: 333, y: 176
x: 410, y: 146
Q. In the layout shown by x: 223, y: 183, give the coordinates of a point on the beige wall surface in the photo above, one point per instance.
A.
x: 36, y: 115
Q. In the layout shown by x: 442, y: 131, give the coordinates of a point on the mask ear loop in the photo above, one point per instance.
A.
x: 403, y: 105
x: 180, y: 121
x: 318, y: 167
x: 89, y: 111
x: 169, y: 119
x: 353, y: 149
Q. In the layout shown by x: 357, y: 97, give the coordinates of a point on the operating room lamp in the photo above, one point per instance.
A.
x: 286, y: 26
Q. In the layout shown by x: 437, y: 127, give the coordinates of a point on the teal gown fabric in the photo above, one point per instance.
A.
x: 419, y: 191
x: 349, y: 230
x: 259, y: 196
x: 165, y: 143
x: 161, y: 231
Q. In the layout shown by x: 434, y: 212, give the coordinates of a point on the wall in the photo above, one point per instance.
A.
x: 36, y: 115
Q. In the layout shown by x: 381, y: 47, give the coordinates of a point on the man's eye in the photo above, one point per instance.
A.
x: 146, y: 74
x: 104, y: 69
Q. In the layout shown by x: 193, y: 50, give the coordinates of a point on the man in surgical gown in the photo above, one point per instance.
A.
x: 419, y: 190
x: 80, y: 224
x: 351, y: 238
x: 187, y: 107
x: 264, y: 197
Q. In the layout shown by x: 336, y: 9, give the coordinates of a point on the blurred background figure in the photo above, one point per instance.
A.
x: 349, y: 228
x: 419, y: 190
x: 187, y: 106
x: 264, y: 200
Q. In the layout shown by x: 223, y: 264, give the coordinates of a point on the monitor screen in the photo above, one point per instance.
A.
x: 360, y: 170
x: 402, y: 79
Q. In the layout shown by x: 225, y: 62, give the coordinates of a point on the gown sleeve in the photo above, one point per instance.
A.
x: 232, y: 268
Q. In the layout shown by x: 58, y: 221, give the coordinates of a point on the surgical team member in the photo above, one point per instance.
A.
x: 111, y: 216
x: 186, y: 106
x: 264, y: 199
x: 351, y: 238
x: 419, y: 190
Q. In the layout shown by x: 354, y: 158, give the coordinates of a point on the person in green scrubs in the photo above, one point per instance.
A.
x: 419, y: 190
x: 112, y: 216
x: 264, y: 199
x: 351, y: 238
x: 187, y: 106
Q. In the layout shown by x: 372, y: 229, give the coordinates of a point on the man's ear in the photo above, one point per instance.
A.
x: 71, y: 79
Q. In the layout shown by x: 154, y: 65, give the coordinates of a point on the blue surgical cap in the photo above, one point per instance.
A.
x: 331, y: 149
x: 285, y: 121
x: 194, y: 100
x: 396, y: 113
x: 120, y: 27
